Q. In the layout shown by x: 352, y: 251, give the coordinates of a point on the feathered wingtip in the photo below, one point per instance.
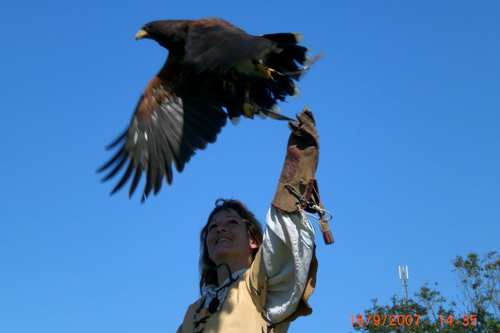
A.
x: 120, y: 155
x: 296, y: 89
x: 235, y: 120
x: 298, y: 37
x: 113, y: 144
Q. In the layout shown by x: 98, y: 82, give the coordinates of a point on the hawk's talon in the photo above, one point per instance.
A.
x: 249, y: 110
x: 265, y: 71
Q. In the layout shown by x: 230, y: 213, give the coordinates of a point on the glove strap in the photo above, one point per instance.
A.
x: 313, y: 204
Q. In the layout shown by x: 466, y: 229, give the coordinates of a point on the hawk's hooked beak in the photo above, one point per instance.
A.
x: 140, y: 34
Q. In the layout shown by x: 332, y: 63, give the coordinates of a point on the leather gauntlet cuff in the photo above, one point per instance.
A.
x: 297, y: 175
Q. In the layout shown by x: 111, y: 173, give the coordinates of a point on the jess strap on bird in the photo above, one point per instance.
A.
x: 297, y: 188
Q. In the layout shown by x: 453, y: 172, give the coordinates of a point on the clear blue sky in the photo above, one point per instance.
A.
x: 407, y: 103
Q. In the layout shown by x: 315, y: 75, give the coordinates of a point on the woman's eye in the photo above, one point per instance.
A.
x: 212, y: 226
x: 233, y: 221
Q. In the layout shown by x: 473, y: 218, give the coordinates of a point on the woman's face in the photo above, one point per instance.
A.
x: 228, y: 241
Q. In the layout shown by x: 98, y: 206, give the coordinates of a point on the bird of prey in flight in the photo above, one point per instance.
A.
x: 214, y: 70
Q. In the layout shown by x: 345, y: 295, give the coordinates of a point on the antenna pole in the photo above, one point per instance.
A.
x: 403, y: 276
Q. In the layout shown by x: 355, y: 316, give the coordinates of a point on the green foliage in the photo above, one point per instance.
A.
x: 478, y: 281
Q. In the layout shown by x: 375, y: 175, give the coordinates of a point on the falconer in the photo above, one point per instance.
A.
x: 254, y: 281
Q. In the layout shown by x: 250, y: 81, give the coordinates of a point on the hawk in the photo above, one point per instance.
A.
x: 214, y: 70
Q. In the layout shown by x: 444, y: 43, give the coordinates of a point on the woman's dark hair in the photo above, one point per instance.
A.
x: 207, y: 274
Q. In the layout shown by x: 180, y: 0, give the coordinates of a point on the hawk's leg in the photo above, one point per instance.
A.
x: 248, y: 109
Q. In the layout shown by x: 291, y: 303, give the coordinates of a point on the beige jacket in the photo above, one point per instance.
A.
x: 244, y: 307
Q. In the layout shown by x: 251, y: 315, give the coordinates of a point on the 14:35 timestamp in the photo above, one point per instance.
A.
x: 466, y: 320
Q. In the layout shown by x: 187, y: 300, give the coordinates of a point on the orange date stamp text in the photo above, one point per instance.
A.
x: 391, y: 320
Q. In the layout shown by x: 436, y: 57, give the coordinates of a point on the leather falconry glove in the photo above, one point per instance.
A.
x: 297, y: 188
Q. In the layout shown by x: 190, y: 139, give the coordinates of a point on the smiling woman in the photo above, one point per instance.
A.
x: 233, y: 236
x: 254, y: 281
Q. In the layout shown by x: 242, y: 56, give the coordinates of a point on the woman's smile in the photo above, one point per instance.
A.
x: 227, y: 238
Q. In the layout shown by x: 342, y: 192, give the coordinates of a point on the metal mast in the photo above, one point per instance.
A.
x: 403, y: 276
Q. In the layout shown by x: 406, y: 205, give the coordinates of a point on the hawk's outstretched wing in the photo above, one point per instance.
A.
x: 166, y: 129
